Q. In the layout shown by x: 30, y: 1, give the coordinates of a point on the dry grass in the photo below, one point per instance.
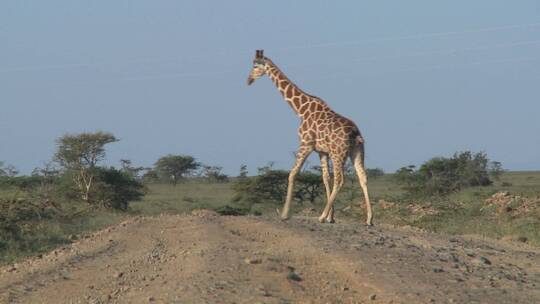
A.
x: 465, y: 212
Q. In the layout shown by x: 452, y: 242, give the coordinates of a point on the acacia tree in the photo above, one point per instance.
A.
x: 496, y: 170
x: 214, y: 174
x: 80, y: 153
x: 134, y: 172
x: 8, y: 170
x: 176, y: 167
x: 243, y: 171
x: 271, y: 185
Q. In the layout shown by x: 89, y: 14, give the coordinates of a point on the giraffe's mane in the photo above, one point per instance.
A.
x: 271, y: 63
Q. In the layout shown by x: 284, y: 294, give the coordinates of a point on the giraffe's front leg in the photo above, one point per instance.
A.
x: 301, y: 156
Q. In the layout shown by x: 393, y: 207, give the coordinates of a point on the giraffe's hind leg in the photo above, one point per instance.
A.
x: 337, y: 162
x: 357, y: 158
x: 330, y: 218
x: 326, y: 181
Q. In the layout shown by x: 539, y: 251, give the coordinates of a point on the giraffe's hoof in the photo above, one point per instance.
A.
x: 322, y: 219
x: 369, y: 220
x: 284, y: 218
x: 331, y: 221
x: 369, y: 224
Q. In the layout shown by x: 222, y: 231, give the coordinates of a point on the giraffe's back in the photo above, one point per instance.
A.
x: 329, y: 132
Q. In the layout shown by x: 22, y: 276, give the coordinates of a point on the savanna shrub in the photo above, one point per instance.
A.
x: 441, y: 176
x: 115, y: 188
x: 308, y: 186
x: 18, y: 215
x: 21, y: 182
x: 111, y: 188
x: 271, y: 185
x: 374, y: 172
x: 231, y: 210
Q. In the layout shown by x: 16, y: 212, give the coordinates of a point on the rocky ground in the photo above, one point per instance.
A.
x: 205, y: 258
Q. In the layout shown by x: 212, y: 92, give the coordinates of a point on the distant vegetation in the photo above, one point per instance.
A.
x: 442, y: 176
x: 75, y: 193
x: 176, y: 167
x: 41, y: 210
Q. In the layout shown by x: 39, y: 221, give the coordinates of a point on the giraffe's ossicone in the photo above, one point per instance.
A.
x: 322, y: 130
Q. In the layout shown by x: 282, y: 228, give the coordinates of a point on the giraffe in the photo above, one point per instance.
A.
x: 331, y: 135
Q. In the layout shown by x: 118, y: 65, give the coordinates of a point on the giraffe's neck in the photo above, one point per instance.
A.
x: 295, y: 97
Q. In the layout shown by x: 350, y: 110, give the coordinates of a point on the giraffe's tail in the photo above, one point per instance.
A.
x: 359, y: 143
x: 358, y: 139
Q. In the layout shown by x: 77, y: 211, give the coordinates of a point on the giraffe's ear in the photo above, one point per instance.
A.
x: 257, y: 53
x: 261, y: 53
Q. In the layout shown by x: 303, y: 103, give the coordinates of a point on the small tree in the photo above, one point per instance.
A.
x: 116, y: 188
x: 496, y: 170
x: 243, y: 171
x: 9, y: 170
x: 374, y: 172
x: 150, y: 176
x: 128, y: 167
x: 441, y: 176
x: 176, y: 167
x: 309, y: 186
x: 48, y: 177
x: 80, y: 154
x: 214, y: 174
x: 271, y: 185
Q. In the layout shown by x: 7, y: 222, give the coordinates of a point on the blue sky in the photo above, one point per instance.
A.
x: 420, y: 78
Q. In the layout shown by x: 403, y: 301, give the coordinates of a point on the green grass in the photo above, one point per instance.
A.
x: 184, y: 197
x: 11, y: 193
x: 42, y: 236
x: 460, y: 213
x: 465, y: 212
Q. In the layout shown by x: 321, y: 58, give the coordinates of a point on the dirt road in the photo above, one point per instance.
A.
x: 205, y: 258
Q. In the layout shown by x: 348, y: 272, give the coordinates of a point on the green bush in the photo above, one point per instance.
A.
x: 213, y: 174
x: 115, y: 188
x: 112, y: 188
x: 271, y: 185
x: 374, y: 172
x: 231, y: 210
x: 308, y: 187
x: 17, y: 218
x: 441, y: 176
x: 21, y: 182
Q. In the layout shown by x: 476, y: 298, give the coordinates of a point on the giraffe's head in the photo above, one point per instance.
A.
x: 259, y: 67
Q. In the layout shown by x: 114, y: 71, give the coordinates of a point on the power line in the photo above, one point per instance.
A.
x: 307, y: 46
x: 444, y: 66
x: 407, y: 37
x: 449, y: 51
